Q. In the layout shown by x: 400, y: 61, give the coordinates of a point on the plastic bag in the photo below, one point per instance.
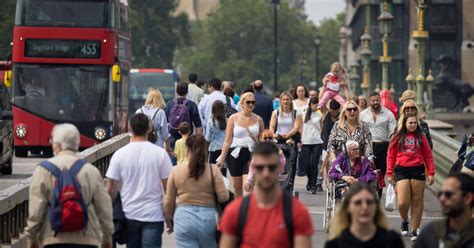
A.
x: 390, y: 198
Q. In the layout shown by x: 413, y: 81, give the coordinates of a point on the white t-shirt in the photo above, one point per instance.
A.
x: 311, y: 129
x: 140, y: 167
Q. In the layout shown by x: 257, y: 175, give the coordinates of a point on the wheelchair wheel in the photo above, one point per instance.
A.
x: 328, y: 211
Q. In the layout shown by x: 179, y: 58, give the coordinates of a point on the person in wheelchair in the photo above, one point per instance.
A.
x: 350, y: 167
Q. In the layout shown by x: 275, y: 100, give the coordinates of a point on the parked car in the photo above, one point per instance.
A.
x: 6, y: 130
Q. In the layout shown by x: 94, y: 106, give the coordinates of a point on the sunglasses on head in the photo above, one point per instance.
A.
x: 447, y: 194
x: 271, y: 167
x: 351, y: 109
x: 411, y: 108
x: 250, y: 102
x: 368, y: 202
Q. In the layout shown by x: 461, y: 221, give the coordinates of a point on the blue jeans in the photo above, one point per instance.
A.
x: 195, y: 226
x: 144, y: 234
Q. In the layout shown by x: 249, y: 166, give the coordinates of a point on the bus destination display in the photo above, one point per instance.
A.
x: 77, y: 49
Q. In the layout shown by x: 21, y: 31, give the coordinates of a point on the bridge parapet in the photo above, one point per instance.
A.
x: 14, y: 200
x: 445, y: 151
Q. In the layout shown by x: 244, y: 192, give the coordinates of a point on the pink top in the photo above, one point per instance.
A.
x: 281, y: 178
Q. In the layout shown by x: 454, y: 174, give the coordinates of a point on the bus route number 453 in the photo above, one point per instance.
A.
x: 89, y: 49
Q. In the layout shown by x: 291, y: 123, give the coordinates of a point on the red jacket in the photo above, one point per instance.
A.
x: 413, y: 154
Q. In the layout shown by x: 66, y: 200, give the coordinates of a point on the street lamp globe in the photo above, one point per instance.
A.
x: 317, y: 40
x: 385, y: 19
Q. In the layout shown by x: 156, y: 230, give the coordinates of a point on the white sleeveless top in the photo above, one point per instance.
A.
x: 241, y: 136
x: 285, y: 122
x: 300, y: 109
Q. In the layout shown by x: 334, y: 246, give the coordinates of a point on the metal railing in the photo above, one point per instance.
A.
x: 14, y: 200
x: 445, y: 151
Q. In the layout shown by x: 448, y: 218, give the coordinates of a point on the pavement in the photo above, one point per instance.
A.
x: 24, y: 167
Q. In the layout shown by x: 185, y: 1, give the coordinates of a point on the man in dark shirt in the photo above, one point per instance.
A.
x: 263, y: 103
x: 457, y: 200
x: 195, y: 120
x: 330, y: 118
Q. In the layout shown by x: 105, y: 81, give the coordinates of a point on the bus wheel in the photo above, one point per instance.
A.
x: 7, y: 168
x: 21, y: 152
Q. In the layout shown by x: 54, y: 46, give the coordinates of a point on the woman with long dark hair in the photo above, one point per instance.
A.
x: 360, y: 222
x: 312, y: 143
x: 190, y: 197
x: 408, y: 153
x: 215, y: 133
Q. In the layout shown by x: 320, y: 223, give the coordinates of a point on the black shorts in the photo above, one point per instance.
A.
x: 405, y: 172
x: 213, y: 156
x: 239, y: 166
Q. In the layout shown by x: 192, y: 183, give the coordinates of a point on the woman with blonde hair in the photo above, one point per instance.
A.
x: 242, y: 133
x: 360, y: 222
x: 286, y: 124
x: 153, y: 108
x: 349, y: 127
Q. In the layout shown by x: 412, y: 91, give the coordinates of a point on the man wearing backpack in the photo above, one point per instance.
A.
x: 268, y: 217
x: 181, y: 110
x: 142, y: 170
x: 83, y: 217
x: 205, y: 106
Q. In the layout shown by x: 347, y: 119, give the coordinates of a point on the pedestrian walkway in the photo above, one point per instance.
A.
x: 315, y: 205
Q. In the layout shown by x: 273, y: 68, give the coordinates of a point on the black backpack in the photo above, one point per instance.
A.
x: 153, y: 135
x: 287, y: 213
x: 229, y: 110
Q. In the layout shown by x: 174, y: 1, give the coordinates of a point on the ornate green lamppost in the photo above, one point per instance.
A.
x: 385, y: 27
x: 421, y: 36
x: 366, y: 55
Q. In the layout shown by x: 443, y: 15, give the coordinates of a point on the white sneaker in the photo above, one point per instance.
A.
x: 414, y: 234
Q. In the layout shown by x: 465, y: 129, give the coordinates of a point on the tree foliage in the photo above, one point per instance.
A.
x: 236, y: 43
x: 7, y: 18
x: 156, y: 32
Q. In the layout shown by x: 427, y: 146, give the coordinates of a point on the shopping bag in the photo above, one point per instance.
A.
x: 390, y: 198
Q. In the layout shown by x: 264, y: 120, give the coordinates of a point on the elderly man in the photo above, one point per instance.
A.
x: 263, y: 103
x: 98, y: 227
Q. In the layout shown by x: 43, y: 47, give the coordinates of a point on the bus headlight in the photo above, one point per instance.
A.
x: 100, y: 133
x: 21, y: 131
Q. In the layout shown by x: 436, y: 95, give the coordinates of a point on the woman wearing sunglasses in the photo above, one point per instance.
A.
x: 242, y: 132
x: 408, y: 153
x: 360, y: 222
x: 349, y: 127
x: 286, y: 123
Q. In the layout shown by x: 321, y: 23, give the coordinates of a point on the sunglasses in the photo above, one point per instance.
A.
x: 271, y: 167
x: 368, y: 202
x: 351, y: 109
x: 447, y: 194
x: 250, y: 102
x: 411, y: 108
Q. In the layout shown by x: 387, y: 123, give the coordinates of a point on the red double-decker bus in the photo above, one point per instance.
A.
x: 71, y: 63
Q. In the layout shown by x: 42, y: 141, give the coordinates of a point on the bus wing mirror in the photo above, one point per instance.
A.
x: 8, y: 79
x: 116, y: 73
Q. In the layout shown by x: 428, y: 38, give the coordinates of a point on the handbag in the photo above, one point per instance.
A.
x: 220, y: 206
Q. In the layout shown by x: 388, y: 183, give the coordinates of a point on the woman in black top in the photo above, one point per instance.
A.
x: 360, y: 222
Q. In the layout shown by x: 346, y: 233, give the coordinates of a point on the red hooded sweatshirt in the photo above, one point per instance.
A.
x: 413, y: 153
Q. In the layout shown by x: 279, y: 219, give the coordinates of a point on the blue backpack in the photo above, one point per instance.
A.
x: 68, y: 210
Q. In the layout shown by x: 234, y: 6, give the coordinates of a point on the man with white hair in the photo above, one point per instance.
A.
x: 263, y: 103
x: 97, y: 206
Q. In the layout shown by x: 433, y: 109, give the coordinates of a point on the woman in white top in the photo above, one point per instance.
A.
x: 242, y: 132
x: 286, y: 123
x: 312, y: 143
x: 300, y: 96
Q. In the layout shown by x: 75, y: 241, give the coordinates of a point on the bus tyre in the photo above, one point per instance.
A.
x: 21, y: 152
x: 7, y: 168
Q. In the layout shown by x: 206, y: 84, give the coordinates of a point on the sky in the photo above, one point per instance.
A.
x: 320, y: 9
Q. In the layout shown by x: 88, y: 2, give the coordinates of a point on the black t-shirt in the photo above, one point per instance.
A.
x: 382, y: 238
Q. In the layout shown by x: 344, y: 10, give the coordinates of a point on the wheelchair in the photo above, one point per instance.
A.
x: 333, y: 197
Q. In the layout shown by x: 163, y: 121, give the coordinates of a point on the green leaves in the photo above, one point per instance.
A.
x: 236, y: 43
x: 7, y: 18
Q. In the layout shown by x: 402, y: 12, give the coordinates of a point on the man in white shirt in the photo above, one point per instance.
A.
x: 382, y: 125
x: 141, y: 169
x: 195, y: 93
x: 205, y: 106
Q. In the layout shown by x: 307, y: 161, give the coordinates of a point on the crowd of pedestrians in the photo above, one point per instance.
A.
x: 261, y: 143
